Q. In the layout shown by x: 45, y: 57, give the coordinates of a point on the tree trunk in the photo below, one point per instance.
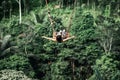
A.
x: 20, y: 12
x: 25, y: 6
x: 88, y: 3
x: 10, y: 9
x: 73, y: 69
x: 4, y: 8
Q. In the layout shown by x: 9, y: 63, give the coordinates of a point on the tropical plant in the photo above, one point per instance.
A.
x: 17, y: 62
x: 106, y: 66
x: 13, y: 75
x: 5, y: 46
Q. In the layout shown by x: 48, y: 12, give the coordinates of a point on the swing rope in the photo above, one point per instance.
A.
x: 70, y: 18
x: 52, y: 21
x: 50, y: 18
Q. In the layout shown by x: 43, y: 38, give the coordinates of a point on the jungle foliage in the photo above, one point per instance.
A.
x: 94, y: 54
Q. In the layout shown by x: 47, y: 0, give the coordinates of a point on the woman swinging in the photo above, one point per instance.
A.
x: 62, y: 35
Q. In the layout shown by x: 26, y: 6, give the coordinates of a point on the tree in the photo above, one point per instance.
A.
x: 20, y: 11
x: 4, y: 7
x: 17, y: 62
x: 106, y: 32
x: 107, y: 66
x: 85, y: 45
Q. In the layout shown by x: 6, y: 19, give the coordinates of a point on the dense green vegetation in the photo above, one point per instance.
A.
x: 94, y: 54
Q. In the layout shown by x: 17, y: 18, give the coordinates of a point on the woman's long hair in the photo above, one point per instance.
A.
x: 59, y: 38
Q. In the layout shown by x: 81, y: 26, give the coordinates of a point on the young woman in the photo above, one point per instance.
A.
x: 60, y: 36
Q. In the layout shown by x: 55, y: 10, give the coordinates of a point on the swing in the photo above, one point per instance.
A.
x: 62, y: 35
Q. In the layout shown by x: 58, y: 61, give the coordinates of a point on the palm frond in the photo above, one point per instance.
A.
x: 8, y: 50
x: 5, y: 41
